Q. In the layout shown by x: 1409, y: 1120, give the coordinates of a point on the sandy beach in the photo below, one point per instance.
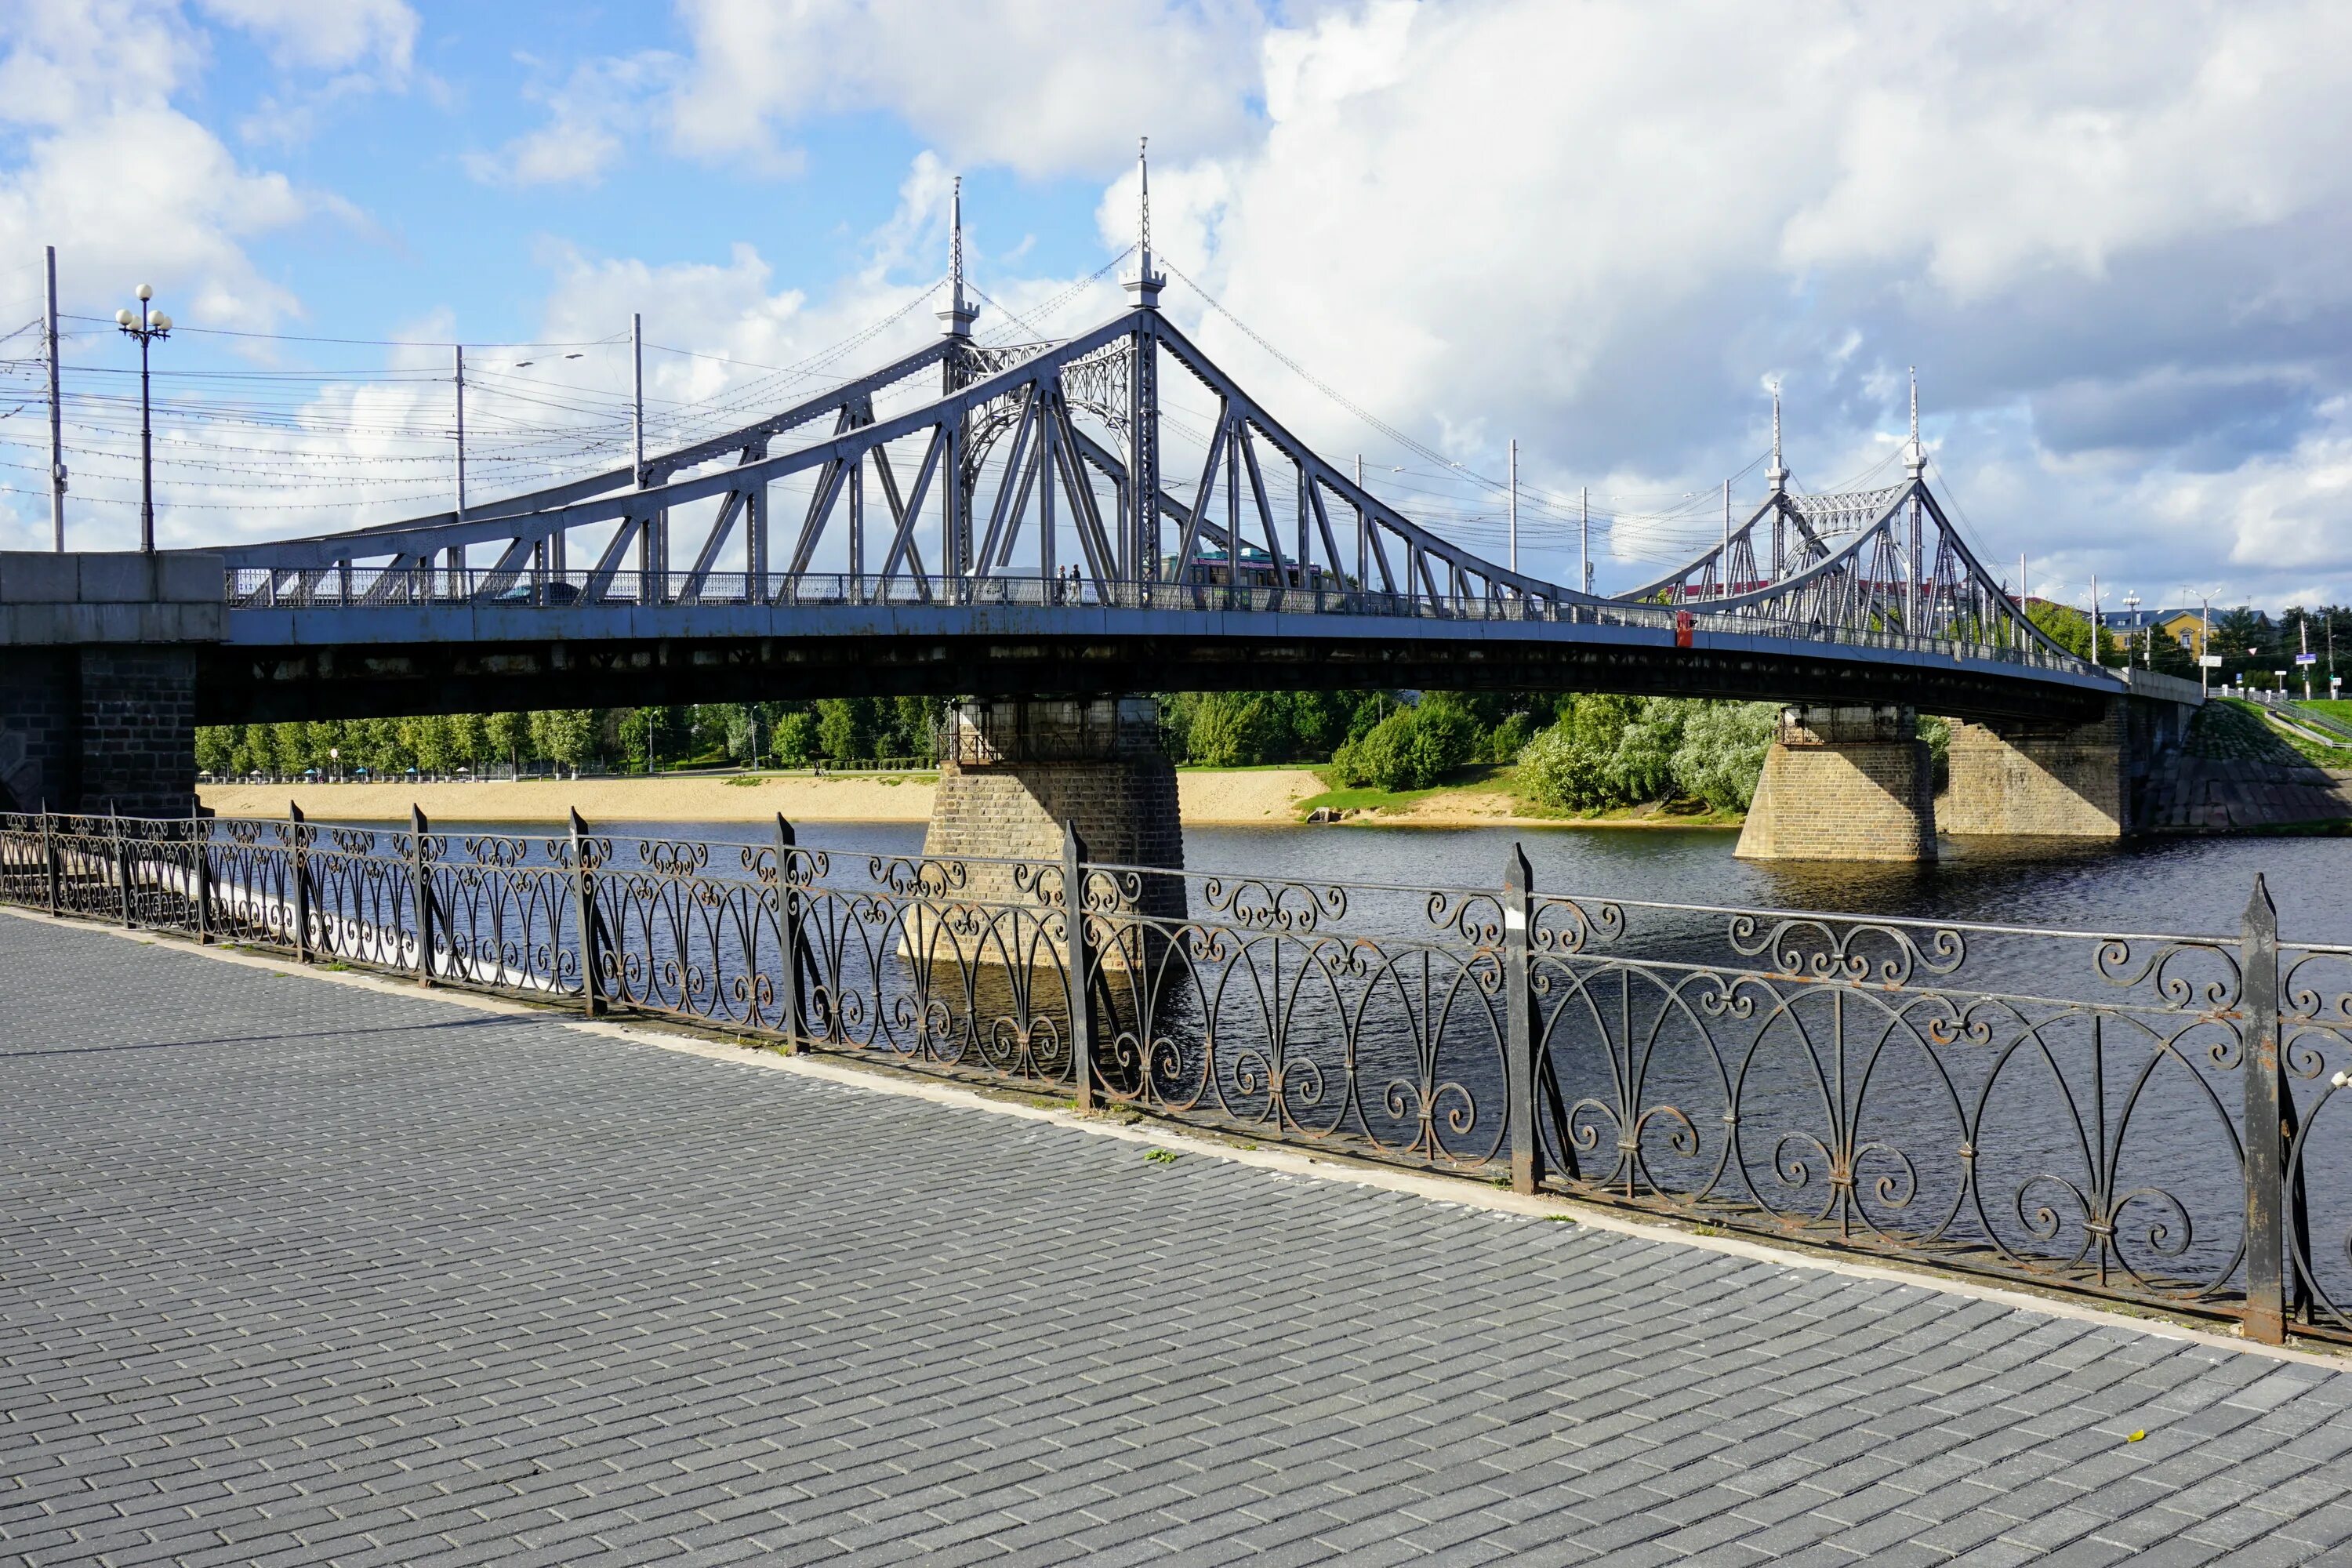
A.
x: 1223, y: 799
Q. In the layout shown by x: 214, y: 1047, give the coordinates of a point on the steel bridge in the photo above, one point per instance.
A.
x: 907, y: 531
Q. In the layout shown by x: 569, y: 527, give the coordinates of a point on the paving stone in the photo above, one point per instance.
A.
x: 294, y: 1273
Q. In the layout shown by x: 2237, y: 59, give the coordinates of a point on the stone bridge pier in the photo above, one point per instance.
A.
x: 99, y: 662
x: 1014, y: 771
x: 1855, y: 783
x: 1844, y: 784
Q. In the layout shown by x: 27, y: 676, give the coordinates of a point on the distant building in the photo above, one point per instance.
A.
x: 2184, y: 626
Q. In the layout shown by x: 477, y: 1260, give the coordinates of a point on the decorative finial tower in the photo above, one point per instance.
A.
x: 1915, y: 456
x: 1146, y: 284
x: 1776, y: 478
x: 960, y: 312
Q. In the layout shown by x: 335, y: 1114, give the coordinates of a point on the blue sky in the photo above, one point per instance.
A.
x: 429, y: 240
x: 2107, y: 234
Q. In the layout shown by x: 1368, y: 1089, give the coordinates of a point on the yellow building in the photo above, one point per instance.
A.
x: 2185, y: 628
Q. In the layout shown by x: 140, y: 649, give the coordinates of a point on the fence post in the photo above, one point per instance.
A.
x: 1519, y: 1024
x: 2265, y: 1133
x: 301, y: 862
x: 122, y: 863
x: 49, y: 854
x: 584, y: 902
x: 421, y: 880
x: 201, y: 878
x: 1079, y: 963
x: 788, y: 935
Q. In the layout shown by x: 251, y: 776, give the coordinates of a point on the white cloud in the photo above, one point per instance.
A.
x: 1598, y: 227
x: 1038, y: 86
x: 588, y: 118
x: 327, y: 35
x: 127, y: 185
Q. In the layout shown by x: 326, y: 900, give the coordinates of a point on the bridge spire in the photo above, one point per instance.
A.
x: 1146, y: 284
x: 960, y: 312
x: 1915, y: 456
x: 1776, y: 478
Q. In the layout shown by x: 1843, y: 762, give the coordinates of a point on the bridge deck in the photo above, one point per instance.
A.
x: 336, y: 662
x: 297, y: 1273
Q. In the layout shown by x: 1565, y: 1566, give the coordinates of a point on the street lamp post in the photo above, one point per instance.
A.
x: 149, y: 327
x: 2131, y: 622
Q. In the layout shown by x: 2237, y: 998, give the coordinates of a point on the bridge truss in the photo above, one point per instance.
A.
x: 952, y: 477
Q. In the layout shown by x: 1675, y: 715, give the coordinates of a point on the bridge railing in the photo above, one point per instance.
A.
x: 386, y: 588
x: 2159, y: 1119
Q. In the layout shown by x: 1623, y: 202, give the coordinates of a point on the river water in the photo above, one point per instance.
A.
x: 2189, y: 886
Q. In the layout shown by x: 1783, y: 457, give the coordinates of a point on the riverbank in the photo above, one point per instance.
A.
x: 1251, y: 796
x: 1236, y: 797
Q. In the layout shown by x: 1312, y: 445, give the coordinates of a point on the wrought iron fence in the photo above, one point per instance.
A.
x: 2159, y: 1119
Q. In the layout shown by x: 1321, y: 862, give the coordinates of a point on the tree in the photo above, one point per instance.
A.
x: 2068, y: 628
x: 914, y: 723
x: 564, y: 735
x: 1231, y: 729
x: 468, y: 742
x: 428, y: 740
x: 1722, y: 752
x: 1413, y: 748
x: 797, y: 739
x: 846, y: 728
x: 507, y: 736
x: 215, y: 747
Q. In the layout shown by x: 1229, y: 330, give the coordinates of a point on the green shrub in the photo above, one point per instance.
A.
x: 1722, y: 752
x: 1413, y: 748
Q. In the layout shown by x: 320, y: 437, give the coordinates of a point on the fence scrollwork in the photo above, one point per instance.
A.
x: 2063, y: 1107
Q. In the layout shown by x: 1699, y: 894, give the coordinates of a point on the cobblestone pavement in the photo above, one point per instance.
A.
x: 297, y: 1273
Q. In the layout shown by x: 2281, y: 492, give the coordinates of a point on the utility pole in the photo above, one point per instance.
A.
x: 57, y: 421
x: 1727, y: 539
x: 2096, y: 652
x: 458, y: 352
x: 2303, y: 624
x: 637, y: 399
x: 2204, y: 641
x: 2131, y: 613
x: 1584, y: 532
x: 1515, y: 503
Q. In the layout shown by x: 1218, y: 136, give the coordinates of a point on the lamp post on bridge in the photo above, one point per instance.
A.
x: 2131, y: 623
x: 149, y: 327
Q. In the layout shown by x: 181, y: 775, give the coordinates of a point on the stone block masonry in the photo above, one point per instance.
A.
x: 98, y: 678
x: 95, y: 729
x: 2040, y: 781
x: 1015, y: 773
x: 1844, y: 784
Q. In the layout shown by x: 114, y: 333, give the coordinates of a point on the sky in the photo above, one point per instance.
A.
x: 2110, y: 238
